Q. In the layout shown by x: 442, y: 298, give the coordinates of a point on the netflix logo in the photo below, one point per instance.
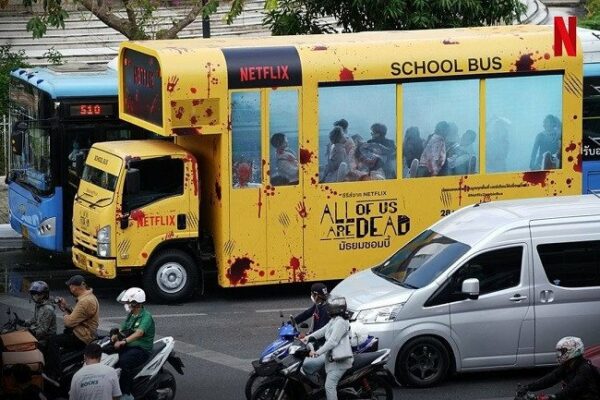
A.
x: 279, y: 72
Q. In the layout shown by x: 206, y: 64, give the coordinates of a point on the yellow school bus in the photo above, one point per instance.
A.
x: 292, y: 159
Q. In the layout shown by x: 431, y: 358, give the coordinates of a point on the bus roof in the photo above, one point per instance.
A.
x: 140, y: 148
x: 472, y: 224
x: 71, y: 80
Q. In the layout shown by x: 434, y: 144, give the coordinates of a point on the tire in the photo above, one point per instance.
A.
x: 168, y: 382
x: 253, y: 382
x: 171, y: 276
x: 377, y: 388
x: 423, y: 362
x: 270, y: 390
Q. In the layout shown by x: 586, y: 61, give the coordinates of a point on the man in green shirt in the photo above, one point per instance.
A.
x: 138, y: 337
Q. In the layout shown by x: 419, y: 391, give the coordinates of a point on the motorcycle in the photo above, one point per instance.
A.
x: 278, y: 349
x: 367, y: 379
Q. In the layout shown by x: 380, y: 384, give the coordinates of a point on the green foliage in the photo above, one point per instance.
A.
x: 592, y: 17
x: 54, y: 16
x: 54, y: 56
x: 299, y: 16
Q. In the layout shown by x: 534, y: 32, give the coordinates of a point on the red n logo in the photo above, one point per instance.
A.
x: 562, y: 36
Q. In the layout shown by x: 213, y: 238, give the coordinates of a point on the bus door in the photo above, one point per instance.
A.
x: 246, y: 248
x: 285, y: 210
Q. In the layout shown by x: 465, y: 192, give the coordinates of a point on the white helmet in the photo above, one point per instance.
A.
x: 568, y: 348
x: 134, y: 294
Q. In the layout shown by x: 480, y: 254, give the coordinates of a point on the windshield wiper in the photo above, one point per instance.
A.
x: 96, y: 203
x: 77, y: 196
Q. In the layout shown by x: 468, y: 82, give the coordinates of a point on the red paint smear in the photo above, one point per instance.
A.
x: 319, y: 48
x: 194, y: 165
x: 536, y: 178
x: 301, y: 209
x: 449, y: 41
x: 218, y: 190
x: 346, y: 75
x: 238, y: 272
x: 460, y: 190
x: 209, y: 112
x: 547, y: 56
x: 259, y: 204
x: 577, y: 166
x: 145, y: 255
x: 297, y: 274
x: 138, y: 216
x: 525, y: 63
x: 572, y: 146
x: 193, y: 90
x: 305, y: 156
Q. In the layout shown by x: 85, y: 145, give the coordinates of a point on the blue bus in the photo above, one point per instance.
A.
x: 55, y: 115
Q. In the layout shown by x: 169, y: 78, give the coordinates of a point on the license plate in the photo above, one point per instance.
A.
x: 24, y: 232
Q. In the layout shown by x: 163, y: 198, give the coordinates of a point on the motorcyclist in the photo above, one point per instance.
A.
x: 43, y: 323
x: 135, y: 339
x: 578, y: 376
x: 318, y: 296
x: 336, y: 353
x: 81, y: 323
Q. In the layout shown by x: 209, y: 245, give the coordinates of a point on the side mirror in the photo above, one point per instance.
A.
x: 124, y: 222
x: 132, y: 181
x: 79, y: 164
x: 470, y: 288
x: 16, y: 137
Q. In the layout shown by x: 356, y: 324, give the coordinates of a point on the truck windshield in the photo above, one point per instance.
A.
x: 99, y: 178
x: 420, y: 261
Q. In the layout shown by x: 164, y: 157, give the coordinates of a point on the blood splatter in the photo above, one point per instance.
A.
x: 570, y: 158
x: 145, y: 255
x: 577, y: 165
x: 569, y: 181
x: 536, y: 177
x: 260, y: 203
x: 193, y: 90
x: 193, y: 120
x: 301, y: 209
x: 346, y: 75
x: 173, y: 104
x: 313, y: 180
x: 547, y: 56
x: 305, y: 156
x: 187, y: 131
x: 218, y: 190
x: 238, y: 272
x: 450, y: 41
x: 172, y: 83
x: 179, y: 113
x: 319, y: 48
x: 261, y: 273
x: 525, y: 63
x: 196, y: 102
x: 572, y: 146
x: 272, y: 272
x: 209, y: 112
x: 297, y: 274
x: 353, y: 271
x: 194, y: 167
x: 138, y: 216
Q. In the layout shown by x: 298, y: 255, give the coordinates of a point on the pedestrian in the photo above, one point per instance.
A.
x: 94, y: 381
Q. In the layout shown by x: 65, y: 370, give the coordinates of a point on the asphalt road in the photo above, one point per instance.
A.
x: 218, y: 335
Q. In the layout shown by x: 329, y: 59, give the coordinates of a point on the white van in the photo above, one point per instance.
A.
x: 491, y: 286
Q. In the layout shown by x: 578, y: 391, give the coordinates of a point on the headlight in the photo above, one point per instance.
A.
x: 380, y: 314
x: 47, y: 227
x: 104, y: 241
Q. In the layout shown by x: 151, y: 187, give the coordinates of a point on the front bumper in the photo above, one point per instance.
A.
x: 101, y: 267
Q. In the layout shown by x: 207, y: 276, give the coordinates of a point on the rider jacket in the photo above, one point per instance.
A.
x: 579, y: 381
x: 319, y: 314
x: 43, y: 323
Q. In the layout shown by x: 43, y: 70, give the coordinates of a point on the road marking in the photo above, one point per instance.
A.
x: 159, y: 316
x: 191, y: 350
x: 281, y: 310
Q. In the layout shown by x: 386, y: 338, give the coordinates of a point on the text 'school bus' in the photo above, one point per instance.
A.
x: 311, y: 157
x: 56, y: 114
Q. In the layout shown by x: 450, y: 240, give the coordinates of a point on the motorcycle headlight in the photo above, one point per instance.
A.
x: 47, y: 227
x: 380, y: 314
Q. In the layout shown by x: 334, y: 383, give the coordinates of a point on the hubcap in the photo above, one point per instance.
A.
x: 424, y: 362
x: 171, y: 277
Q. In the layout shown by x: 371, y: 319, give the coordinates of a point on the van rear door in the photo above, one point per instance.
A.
x: 566, y: 260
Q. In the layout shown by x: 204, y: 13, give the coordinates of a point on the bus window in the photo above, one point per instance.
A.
x: 357, y: 133
x: 441, y: 121
x: 526, y: 134
x: 283, y: 137
x: 246, y: 145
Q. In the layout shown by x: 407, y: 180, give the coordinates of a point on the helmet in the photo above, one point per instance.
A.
x: 336, y: 306
x: 132, y: 295
x: 39, y: 288
x: 568, y: 348
x: 319, y: 289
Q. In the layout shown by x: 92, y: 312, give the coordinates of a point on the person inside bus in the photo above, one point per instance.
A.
x: 412, y: 148
x: 434, y: 154
x: 459, y: 163
x: 546, y: 142
x: 338, y: 157
x: 242, y: 173
x: 378, y: 132
x: 452, y: 143
x: 370, y: 162
x: 349, y: 144
x: 286, y: 163
x: 497, y: 146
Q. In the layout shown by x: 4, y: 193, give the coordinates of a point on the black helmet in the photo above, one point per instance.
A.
x: 39, y: 288
x: 336, y: 306
x: 319, y: 289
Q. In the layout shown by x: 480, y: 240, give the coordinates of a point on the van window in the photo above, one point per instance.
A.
x: 496, y: 270
x: 159, y: 178
x: 574, y: 264
x: 419, y: 262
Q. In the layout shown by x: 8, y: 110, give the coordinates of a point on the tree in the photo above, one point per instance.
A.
x: 592, y: 17
x: 134, y: 24
x: 301, y: 16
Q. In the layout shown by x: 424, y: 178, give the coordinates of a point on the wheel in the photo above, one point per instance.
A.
x: 271, y: 390
x: 375, y: 388
x: 171, y: 276
x: 166, y: 387
x: 422, y: 362
x: 253, y: 382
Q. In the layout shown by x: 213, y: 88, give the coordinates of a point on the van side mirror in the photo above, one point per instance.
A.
x: 132, y: 181
x: 470, y: 288
x: 19, y: 129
